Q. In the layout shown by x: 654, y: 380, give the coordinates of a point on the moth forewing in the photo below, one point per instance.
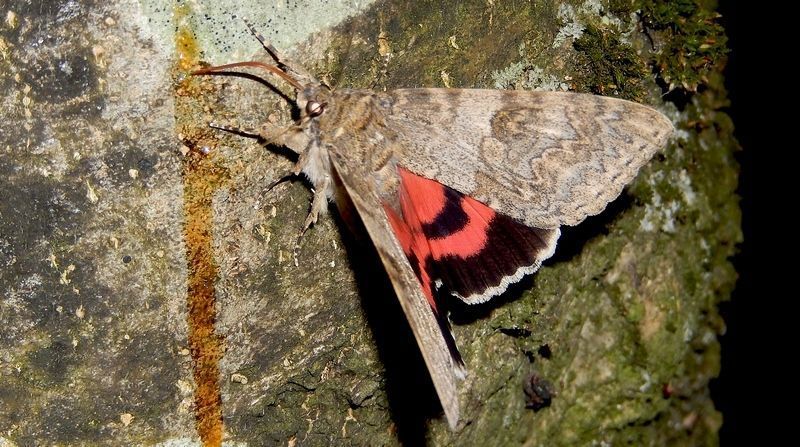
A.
x: 444, y: 370
x: 544, y: 158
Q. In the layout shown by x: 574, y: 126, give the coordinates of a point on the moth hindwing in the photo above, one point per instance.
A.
x: 461, y: 191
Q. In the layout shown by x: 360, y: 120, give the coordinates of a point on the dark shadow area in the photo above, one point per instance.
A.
x: 463, y: 313
x: 731, y: 391
x: 680, y: 97
x: 573, y: 239
x: 412, y: 398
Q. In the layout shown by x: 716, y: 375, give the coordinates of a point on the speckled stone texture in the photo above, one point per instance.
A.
x: 103, y: 177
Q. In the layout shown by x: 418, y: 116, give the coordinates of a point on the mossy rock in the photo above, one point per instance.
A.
x: 121, y: 205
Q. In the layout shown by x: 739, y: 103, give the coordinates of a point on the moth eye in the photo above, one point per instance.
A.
x: 314, y: 108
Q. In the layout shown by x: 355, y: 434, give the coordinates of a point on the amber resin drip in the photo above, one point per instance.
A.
x: 203, y: 175
x: 201, y: 179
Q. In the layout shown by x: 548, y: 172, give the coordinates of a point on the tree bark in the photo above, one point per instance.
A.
x: 153, y: 293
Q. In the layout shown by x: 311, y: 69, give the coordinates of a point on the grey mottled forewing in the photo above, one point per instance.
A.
x: 441, y: 365
x: 544, y: 158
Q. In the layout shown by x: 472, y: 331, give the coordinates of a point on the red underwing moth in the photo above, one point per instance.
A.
x: 460, y: 190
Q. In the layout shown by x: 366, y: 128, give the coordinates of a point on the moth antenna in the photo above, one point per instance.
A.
x: 282, y: 61
x: 273, y: 52
x: 266, y: 67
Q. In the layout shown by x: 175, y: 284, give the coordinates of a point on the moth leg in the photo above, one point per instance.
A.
x: 273, y: 134
x: 319, y: 204
x: 301, y: 163
x: 252, y: 133
x: 285, y: 177
x: 294, y: 172
x: 292, y: 137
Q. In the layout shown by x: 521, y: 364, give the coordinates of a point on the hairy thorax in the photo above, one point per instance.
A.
x: 354, y: 123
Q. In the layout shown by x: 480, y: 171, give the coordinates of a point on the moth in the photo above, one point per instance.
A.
x: 461, y: 191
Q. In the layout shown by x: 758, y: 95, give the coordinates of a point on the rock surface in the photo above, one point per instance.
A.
x: 150, y: 284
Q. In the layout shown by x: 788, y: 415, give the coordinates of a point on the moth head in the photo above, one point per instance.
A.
x: 312, y: 95
x: 313, y: 101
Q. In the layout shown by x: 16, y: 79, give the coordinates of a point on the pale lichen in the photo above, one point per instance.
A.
x: 520, y: 75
